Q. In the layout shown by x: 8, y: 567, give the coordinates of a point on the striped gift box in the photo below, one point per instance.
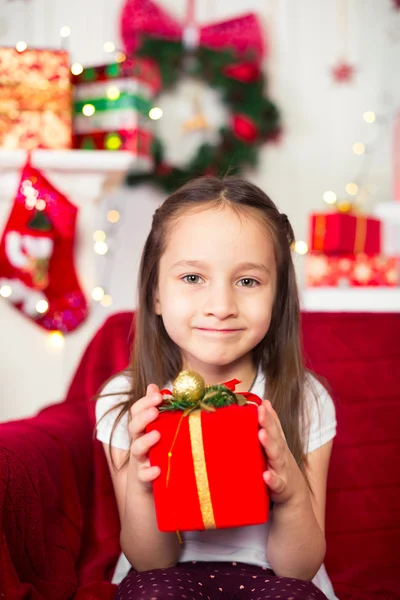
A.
x: 111, y: 108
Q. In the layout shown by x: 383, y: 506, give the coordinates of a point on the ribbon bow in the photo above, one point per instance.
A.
x: 248, y: 396
x: 144, y: 17
x: 214, y: 396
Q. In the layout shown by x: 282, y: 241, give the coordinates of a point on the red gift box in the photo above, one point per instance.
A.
x: 211, y: 469
x: 138, y: 141
x: 339, y: 233
x: 353, y: 270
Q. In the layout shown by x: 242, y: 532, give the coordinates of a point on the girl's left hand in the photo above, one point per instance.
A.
x: 283, y: 477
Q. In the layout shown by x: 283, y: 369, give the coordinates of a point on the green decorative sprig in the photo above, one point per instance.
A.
x: 215, y: 396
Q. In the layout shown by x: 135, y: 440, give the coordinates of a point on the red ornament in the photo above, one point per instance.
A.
x: 244, y: 128
x: 244, y: 72
x: 343, y: 72
x: 396, y: 4
x: 163, y: 169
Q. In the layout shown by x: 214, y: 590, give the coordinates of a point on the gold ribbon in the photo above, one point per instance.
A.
x: 360, y: 234
x: 319, y: 232
x: 200, y: 469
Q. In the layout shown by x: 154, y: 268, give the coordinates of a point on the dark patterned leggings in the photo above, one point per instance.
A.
x: 214, y: 581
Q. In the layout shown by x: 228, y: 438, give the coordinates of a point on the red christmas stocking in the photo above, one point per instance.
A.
x: 37, y: 273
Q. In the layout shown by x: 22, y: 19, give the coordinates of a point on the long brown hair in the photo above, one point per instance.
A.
x: 157, y: 359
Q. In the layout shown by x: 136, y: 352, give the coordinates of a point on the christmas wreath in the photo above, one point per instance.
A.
x: 234, y: 88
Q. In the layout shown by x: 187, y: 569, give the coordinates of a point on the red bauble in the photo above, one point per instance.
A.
x: 244, y: 72
x: 163, y: 169
x: 343, y: 72
x: 244, y: 128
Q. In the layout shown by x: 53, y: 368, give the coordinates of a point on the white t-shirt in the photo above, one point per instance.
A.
x: 240, y: 544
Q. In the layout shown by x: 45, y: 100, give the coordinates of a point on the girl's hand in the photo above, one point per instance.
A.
x: 284, y: 478
x: 143, y: 412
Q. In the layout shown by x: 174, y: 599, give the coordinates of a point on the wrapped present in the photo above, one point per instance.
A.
x: 210, y: 457
x: 389, y: 213
x: 112, y: 104
x: 351, y: 270
x: 35, y: 99
x: 338, y: 233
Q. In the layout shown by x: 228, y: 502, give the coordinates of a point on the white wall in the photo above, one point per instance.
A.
x: 321, y: 122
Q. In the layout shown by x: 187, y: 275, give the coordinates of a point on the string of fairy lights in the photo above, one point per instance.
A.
x: 105, y: 243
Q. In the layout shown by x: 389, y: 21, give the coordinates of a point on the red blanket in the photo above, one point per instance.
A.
x: 59, y: 535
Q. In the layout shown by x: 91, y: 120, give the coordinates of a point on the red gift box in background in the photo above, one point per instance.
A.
x: 214, y: 477
x: 137, y: 141
x: 339, y: 233
x: 351, y: 270
x: 35, y: 99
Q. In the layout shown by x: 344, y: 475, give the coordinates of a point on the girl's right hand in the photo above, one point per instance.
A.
x: 144, y: 412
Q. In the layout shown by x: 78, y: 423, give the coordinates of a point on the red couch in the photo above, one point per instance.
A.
x: 59, y: 530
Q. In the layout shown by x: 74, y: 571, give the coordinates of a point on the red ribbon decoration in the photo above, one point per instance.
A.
x: 231, y: 385
x: 144, y: 17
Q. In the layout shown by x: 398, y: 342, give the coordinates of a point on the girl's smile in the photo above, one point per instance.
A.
x: 217, y: 331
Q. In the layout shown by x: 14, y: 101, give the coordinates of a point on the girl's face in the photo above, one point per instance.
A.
x: 216, y: 287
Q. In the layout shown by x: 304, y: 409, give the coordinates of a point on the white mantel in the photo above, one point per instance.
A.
x: 352, y: 299
x: 79, y: 173
x: 67, y: 160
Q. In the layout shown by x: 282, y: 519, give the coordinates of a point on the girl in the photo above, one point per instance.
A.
x: 218, y: 295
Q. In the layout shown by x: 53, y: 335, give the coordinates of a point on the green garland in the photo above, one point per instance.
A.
x: 259, y: 117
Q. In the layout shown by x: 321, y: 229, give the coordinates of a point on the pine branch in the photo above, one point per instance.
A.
x: 215, y: 396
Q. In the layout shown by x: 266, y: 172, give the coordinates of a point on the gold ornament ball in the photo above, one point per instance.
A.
x: 189, y: 385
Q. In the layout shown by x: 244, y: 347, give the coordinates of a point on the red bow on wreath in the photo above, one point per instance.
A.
x: 243, y: 34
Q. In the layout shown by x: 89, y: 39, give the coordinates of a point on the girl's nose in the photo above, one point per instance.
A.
x: 220, y: 302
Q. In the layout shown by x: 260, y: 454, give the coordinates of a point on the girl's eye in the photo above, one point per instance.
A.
x: 192, y: 279
x: 248, y: 282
